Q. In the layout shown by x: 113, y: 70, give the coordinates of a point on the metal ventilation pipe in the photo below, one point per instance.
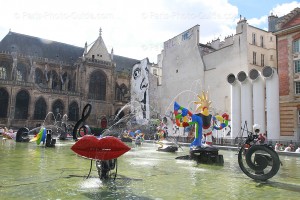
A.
x: 235, y: 106
x: 258, y: 84
x: 231, y: 79
x: 246, y: 100
x: 272, y: 102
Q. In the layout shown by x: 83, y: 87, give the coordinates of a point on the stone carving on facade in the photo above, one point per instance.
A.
x: 46, y: 72
x: 32, y: 70
x: 14, y: 66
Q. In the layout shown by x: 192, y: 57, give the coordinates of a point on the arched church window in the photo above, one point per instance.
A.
x: 64, y: 77
x: 21, y: 72
x: 3, y: 73
x: 58, y: 109
x: 40, y: 109
x: 39, y: 76
x: 97, y: 86
x: 5, y: 68
x: 70, y: 85
x: 21, y: 107
x: 3, y: 102
x: 72, y: 81
x: 118, y: 93
x: 124, y: 91
x: 73, y: 112
x: 55, y: 80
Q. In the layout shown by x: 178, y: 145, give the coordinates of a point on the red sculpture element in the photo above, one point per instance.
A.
x: 106, y: 148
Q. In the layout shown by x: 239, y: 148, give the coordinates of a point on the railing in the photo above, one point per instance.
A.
x: 99, y: 61
x: 41, y: 59
x: 20, y: 83
x: 49, y: 90
x: 36, y: 86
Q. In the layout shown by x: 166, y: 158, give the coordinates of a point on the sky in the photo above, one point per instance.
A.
x: 134, y: 28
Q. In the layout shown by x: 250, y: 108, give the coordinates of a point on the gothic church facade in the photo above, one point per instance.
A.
x: 42, y: 80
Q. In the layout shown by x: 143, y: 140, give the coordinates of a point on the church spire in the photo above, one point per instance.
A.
x: 100, y: 32
x: 112, y: 54
x: 85, y: 48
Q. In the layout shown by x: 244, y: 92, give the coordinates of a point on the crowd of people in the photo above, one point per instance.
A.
x: 262, y: 139
x: 7, y: 134
x: 288, y: 148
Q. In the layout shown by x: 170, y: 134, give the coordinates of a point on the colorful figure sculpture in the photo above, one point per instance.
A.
x: 205, y: 119
x: 181, y: 115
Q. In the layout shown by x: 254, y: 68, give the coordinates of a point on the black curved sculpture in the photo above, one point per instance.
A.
x: 204, y: 155
x: 84, y: 116
x: 258, y: 161
x: 171, y: 149
x: 22, y: 135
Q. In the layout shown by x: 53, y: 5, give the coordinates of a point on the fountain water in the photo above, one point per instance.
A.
x: 55, y: 129
x: 144, y: 173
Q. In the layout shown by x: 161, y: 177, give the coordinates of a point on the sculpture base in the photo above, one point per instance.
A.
x: 204, y: 155
x: 168, y: 149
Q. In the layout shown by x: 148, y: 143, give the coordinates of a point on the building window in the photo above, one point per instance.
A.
x: 297, y: 66
x: 261, y: 41
x: 21, y: 72
x: 21, y: 106
x: 58, y: 109
x: 271, y: 57
x: 73, y: 112
x: 254, y: 58
x: 118, y: 94
x: 155, y: 71
x: 56, y: 83
x: 271, y: 39
x: 262, y: 60
x: 97, y: 86
x: 253, y: 39
x: 297, y: 87
x: 296, y: 46
x: 19, y: 76
x: 40, y: 109
x: 298, y: 116
x: 2, y: 73
x: 39, y: 76
x: 4, y: 97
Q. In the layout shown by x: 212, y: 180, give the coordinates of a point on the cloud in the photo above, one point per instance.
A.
x: 134, y: 28
x: 279, y: 10
x: 258, y: 22
x: 285, y: 8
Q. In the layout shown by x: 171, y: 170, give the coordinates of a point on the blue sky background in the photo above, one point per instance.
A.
x: 134, y: 28
x: 256, y: 8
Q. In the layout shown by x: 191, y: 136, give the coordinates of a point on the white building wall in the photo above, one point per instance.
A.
x: 183, y: 70
x: 153, y: 97
x: 268, y: 49
x: 219, y: 64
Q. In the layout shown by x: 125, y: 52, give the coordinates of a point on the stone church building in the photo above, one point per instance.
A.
x: 38, y: 77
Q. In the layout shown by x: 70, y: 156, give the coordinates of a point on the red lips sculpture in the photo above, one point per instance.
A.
x: 106, y: 148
